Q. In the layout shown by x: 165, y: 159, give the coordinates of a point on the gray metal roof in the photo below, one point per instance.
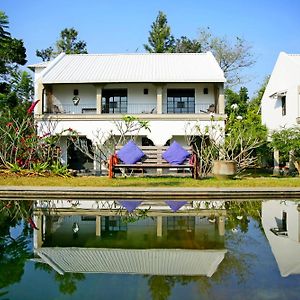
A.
x: 138, y: 67
x: 43, y: 64
x: 133, y: 261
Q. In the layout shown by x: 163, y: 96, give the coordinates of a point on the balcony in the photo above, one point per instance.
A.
x: 130, y: 109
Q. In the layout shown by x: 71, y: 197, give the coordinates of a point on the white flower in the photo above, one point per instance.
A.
x: 234, y: 106
x: 212, y: 114
x: 239, y: 118
x: 239, y: 217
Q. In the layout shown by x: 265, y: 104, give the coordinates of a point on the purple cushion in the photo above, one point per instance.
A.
x: 130, y: 153
x: 175, y: 205
x: 130, y: 205
x: 175, y: 154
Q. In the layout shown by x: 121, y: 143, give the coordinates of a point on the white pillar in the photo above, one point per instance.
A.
x: 64, y: 151
x: 276, y: 162
x: 98, y: 225
x: 221, y: 99
x: 291, y: 161
x: 159, y: 99
x: 159, y: 226
x: 99, y: 99
x: 221, y: 225
x: 40, y: 91
x: 37, y: 234
x: 97, y: 162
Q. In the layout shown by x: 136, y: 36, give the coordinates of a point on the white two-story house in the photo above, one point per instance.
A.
x: 89, y: 92
x: 280, y: 106
x: 281, y: 100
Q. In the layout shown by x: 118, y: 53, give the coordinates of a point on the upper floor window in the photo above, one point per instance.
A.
x: 114, y: 101
x: 181, y: 101
x: 283, y: 105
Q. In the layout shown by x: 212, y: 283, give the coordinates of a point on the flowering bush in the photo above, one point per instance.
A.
x: 21, y: 148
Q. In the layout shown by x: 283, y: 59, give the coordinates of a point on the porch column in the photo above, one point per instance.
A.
x: 97, y: 162
x: 37, y: 234
x: 40, y: 90
x: 99, y: 98
x: 64, y: 151
x: 49, y: 99
x: 221, y: 99
x: 159, y: 98
x: 291, y: 161
x: 159, y: 226
x: 98, y: 225
x: 276, y: 162
x: 221, y: 225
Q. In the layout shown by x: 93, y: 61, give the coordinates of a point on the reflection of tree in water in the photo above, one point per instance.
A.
x: 67, y: 282
x: 238, y: 213
x: 160, y: 286
x: 236, y: 263
x: 233, y: 264
x: 13, y: 251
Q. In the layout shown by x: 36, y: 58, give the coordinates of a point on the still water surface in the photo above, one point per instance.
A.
x: 224, y: 250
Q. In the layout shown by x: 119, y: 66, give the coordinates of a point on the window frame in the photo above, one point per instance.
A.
x: 181, y: 101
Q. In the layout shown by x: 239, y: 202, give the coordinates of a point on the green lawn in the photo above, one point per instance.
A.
x: 248, y: 181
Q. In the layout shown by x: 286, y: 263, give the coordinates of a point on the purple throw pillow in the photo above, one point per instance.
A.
x: 175, y: 154
x: 130, y: 153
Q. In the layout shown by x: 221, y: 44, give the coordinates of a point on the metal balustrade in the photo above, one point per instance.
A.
x: 131, y: 109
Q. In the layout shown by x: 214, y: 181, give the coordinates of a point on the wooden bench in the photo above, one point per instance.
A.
x: 152, y: 160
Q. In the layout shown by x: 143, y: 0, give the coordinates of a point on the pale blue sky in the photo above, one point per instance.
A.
x: 119, y: 26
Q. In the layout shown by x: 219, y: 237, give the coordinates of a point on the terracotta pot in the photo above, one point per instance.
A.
x: 224, y: 168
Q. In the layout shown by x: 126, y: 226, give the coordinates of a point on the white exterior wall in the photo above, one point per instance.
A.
x: 273, y: 209
x: 286, y: 249
x: 161, y: 130
x: 63, y: 94
x: 285, y: 78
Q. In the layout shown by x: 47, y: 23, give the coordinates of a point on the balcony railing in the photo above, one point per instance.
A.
x: 137, y: 108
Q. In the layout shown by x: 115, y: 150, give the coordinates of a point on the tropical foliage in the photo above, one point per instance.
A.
x: 287, y: 141
x: 15, y: 86
x: 67, y: 43
x: 242, y: 140
x: 22, y: 149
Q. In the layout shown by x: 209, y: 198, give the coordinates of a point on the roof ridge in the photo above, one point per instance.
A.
x: 133, y: 53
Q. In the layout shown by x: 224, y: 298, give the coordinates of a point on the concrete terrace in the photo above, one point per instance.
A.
x: 145, y: 193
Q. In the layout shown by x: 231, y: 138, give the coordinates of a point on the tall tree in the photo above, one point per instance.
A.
x: 160, y: 39
x: 186, y: 45
x: 4, y: 34
x: 12, y: 51
x: 67, y: 43
x: 12, y: 54
x: 237, y: 102
x: 233, y: 57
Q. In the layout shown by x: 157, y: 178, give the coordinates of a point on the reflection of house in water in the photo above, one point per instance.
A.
x: 184, y: 242
x: 281, y: 223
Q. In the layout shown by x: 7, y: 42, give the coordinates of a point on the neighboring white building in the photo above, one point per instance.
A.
x: 168, y: 90
x: 281, y: 101
x: 281, y: 223
x: 280, y: 105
